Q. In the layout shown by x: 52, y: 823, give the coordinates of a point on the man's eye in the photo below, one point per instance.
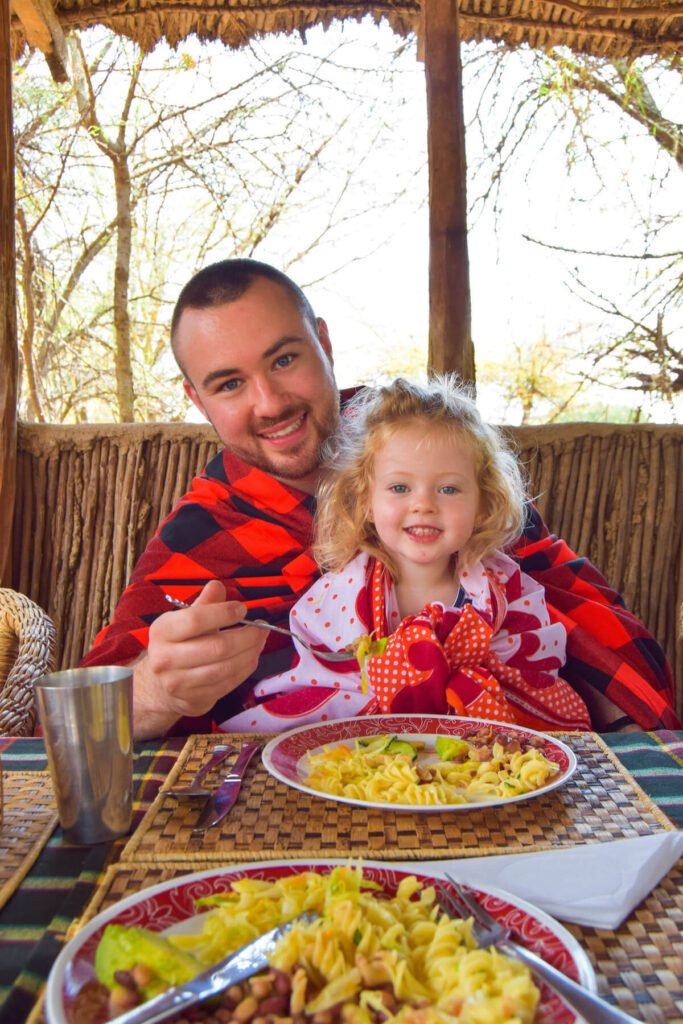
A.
x: 283, y: 361
x: 230, y: 385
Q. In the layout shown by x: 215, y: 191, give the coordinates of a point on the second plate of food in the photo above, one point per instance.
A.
x: 360, y: 957
x: 419, y: 763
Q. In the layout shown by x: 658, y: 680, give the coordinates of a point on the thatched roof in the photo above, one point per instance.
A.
x: 615, y: 28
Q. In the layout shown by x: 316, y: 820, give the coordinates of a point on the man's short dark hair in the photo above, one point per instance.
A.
x: 227, y: 281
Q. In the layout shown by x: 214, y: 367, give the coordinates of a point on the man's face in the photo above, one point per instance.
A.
x: 262, y: 378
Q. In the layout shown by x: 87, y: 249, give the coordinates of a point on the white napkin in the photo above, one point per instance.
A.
x: 597, y: 885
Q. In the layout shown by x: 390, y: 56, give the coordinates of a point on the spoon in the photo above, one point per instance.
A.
x: 262, y: 624
x: 195, y: 788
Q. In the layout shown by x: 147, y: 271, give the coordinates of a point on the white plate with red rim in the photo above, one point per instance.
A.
x: 170, y: 905
x: 286, y: 756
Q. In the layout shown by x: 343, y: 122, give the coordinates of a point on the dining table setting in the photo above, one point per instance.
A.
x: 582, y: 868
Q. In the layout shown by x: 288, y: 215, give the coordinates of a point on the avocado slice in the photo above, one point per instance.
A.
x: 450, y: 747
x: 121, y: 948
x: 375, y: 744
x: 396, y: 746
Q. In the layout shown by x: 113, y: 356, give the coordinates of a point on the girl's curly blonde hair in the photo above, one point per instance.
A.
x: 344, y: 524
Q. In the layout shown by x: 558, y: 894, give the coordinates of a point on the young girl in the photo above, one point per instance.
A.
x: 420, y: 498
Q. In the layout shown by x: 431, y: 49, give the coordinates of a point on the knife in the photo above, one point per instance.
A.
x: 223, y: 798
x: 238, y: 966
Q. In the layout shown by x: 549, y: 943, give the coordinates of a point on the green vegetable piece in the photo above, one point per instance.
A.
x: 375, y: 744
x: 121, y: 948
x: 396, y: 746
x: 450, y: 747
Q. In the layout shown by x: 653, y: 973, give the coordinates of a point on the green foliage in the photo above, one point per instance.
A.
x: 536, y: 380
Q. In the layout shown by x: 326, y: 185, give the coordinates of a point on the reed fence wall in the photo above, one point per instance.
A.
x: 89, y: 498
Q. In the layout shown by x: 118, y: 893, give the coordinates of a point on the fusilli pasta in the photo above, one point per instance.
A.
x: 483, y: 771
x: 369, y: 959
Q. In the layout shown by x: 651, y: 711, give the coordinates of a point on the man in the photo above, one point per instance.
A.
x: 258, y: 364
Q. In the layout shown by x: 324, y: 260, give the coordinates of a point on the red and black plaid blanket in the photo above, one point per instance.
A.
x: 239, y: 525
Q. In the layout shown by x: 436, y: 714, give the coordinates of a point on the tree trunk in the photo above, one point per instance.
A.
x: 29, y: 333
x: 450, y: 341
x: 9, y: 359
x: 125, y: 391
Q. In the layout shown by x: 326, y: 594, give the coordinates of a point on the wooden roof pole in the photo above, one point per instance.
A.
x: 43, y: 31
x: 9, y: 358
x: 450, y: 340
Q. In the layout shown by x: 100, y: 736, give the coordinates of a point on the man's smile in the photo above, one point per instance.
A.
x: 284, y: 432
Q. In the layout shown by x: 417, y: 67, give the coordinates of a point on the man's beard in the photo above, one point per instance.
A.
x: 294, y: 465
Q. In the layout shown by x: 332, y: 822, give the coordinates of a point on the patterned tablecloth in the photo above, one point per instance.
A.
x: 62, y: 878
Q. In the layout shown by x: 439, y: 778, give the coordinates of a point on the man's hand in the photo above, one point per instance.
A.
x: 189, y: 664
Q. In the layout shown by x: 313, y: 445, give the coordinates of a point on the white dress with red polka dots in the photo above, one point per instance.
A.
x: 500, y: 661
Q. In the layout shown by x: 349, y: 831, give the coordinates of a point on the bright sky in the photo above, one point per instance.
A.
x: 520, y: 291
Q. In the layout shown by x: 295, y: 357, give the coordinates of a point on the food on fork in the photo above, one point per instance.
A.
x: 484, y: 764
x: 371, y: 957
x: 365, y: 647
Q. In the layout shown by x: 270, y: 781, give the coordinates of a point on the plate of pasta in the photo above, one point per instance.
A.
x: 381, y: 951
x: 419, y: 763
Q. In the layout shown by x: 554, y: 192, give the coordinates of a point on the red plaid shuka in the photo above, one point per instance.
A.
x: 241, y: 526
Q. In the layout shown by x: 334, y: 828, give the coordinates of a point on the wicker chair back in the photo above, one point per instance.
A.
x: 27, y: 651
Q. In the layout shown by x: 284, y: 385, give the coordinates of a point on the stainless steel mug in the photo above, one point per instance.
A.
x: 86, y: 717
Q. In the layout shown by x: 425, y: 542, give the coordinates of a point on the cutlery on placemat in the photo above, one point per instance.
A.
x: 195, y: 788
x: 238, y: 966
x: 223, y: 798
x: 262, y: 624
x: 488, y: 931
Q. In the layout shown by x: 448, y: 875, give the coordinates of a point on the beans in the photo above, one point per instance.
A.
x: 245, y: 1010
x: 126, y: 979
x: 142, y: 975
x: 277, y: 1006
x: 389, y: 1000
x: 261, y: 986
x: 282, y: 982
x: 122, y: 999
x: 273, y: 997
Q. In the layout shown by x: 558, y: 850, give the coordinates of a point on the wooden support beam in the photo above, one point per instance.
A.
x: 9, y: 358
x: 450, y: 340
x: 43, y: 32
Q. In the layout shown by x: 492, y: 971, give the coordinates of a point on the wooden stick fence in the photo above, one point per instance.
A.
x: 89, y: 498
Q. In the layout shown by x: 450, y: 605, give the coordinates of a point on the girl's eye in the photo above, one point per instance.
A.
x: 449, y: 489
x: 398, y: 489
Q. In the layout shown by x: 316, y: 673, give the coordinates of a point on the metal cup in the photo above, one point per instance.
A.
x: 86, y: 717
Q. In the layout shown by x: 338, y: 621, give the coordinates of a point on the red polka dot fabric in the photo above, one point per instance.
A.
x: 495, y: 657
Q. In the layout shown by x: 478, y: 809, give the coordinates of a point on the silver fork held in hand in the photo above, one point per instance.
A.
x: 489, y: 932
x: 262, y: 624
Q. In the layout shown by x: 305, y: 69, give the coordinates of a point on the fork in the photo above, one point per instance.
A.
x: 489, y: 932
x: 195, y: 788
x: 262, y: 624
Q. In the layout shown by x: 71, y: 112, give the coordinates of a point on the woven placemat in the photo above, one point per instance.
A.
x: 271, y: 820
x: 639, y: 965
x: 28, y: 818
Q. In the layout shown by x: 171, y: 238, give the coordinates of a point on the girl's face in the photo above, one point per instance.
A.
x: 424, y: 497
